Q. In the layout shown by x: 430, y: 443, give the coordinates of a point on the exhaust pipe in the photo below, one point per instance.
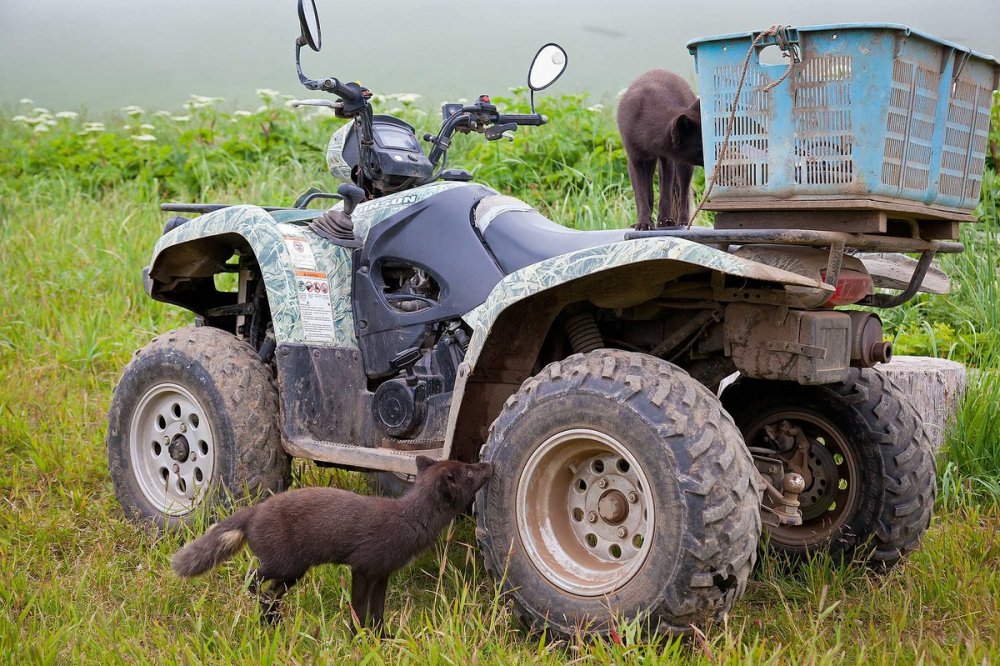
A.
x: 867, y: 345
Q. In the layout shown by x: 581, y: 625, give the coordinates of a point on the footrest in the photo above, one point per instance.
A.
x: 349, y: 455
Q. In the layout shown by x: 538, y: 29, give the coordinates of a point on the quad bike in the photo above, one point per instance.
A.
x: 427, y: 314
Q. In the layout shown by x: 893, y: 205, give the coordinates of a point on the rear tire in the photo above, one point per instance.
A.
x: 194, y: 424
x: 871, y: 464
x: 621, y: 489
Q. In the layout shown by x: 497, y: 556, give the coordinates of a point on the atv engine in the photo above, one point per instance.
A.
x: 416, y: 401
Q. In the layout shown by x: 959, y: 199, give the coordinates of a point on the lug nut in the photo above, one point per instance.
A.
x: 633, y: 498
x: 622, y: 532
x: 194, y: 457
x: 177, y: 468
x: 592, y: 517
x: 166, y: 439
x: 184, y: 428
x: 603, y: 483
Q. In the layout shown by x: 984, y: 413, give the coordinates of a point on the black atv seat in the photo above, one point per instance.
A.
x: 519, y: 235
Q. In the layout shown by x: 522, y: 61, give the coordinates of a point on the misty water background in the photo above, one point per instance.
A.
x: 103, y: 54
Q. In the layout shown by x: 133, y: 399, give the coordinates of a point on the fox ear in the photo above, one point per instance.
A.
x: 685, y: 125
x: 423, y: 462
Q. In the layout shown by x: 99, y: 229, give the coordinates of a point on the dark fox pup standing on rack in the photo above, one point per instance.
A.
x: 293, y: 531
x: 659, y: 118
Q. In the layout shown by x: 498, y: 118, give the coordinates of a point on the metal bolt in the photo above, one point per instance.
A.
x: 177, y: 468
x: 194, y: 456
x: 633, y: 498
x: 166, y: 439
x: 603, y: 483
x: 184, y: 427
x: 592, y: 517
x: 622, y: 532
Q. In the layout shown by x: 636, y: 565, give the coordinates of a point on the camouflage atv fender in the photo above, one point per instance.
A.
x: 297, y: 266
x: 292, y: 258
x: 561, y: 272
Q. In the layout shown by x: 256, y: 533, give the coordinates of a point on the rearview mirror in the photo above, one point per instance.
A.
x: 548, y: 65
x: 309, y: 25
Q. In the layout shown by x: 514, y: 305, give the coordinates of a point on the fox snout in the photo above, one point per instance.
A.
x: 484, y: 470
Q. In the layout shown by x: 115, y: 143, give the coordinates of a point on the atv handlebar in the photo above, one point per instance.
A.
x: 481, y: 117
x: 522, y: 119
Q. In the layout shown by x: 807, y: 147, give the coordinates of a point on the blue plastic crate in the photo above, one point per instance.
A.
x: 878, y: 114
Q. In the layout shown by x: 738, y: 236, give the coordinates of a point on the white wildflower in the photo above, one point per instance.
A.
x: 146, y: 126
x: 51, y: 122
x: 27, y: 102
x: 207, y: 101
x: 242, y: 114
x: 180, y: 119
x: 408, y: 98
x: 41, y: 128
x: 126, y: 127
x: 39, y: 111
x: 92, y: 127
x: 21, y: 119
x: 267, y: 94
x: 133, y: 110
x: 67, y: 115
x: 145, y: 138
x: 162, y: 114
x: 597, y: 108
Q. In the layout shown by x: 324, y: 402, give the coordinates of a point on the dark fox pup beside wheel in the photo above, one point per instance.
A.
x: 659, y: 118
x: 294, y: 531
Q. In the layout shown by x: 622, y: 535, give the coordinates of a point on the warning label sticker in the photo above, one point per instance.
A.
x: 300, y: 252
x: 314, y: 305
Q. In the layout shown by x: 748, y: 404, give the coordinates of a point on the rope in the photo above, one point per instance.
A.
x: 774, y: 30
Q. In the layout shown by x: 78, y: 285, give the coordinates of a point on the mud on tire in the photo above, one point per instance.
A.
x: 702, y: 525
x: 888, y: 449
x: 213, y: 386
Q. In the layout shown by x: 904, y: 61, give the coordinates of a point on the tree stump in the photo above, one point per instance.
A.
x: 935, y: 385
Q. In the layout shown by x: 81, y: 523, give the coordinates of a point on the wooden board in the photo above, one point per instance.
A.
x: 852, y: 221
x: 893, y: 207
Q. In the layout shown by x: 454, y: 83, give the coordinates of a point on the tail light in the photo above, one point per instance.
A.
x: 852, y: 286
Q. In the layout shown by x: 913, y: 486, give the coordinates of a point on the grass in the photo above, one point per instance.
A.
x: 77, y: 221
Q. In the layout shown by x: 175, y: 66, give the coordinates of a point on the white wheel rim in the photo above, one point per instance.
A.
x: 172, y: 449
x: 586, y: 538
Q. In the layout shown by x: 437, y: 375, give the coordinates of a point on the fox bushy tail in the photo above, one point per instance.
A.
x: 218, y: 544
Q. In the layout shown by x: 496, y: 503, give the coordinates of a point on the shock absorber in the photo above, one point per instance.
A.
x: 584, y: 336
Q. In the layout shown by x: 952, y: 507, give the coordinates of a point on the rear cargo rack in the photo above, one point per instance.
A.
x: 836, y: 241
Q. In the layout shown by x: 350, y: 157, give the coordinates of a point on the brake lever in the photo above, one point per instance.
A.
x: 495, y: 132
x: 336, y: 105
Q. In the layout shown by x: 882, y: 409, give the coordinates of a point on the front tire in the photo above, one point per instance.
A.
x: 621, y: 489
x: 869, y: 470
x: 193, y: 422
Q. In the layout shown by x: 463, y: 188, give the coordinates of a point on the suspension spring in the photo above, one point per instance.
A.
x: 584, y: 336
